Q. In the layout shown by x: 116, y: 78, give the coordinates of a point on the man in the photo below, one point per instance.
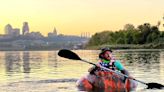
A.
x: 107, y: 60
x: 101, y: 79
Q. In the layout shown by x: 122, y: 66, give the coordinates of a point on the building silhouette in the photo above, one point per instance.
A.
x: 15, y: 32
x: 52, y: 34
x: 55, y: 31
x: 25, y: 28
x: 85, y: 34
x: 12, y: 32
x: 8, y: 29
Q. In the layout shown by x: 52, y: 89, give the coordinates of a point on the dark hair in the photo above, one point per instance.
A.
x: 103, y: 50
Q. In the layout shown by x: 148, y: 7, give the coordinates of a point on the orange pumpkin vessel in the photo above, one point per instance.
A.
x: 105, y: 81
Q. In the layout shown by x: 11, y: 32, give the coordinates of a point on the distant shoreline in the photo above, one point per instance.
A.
x: 115, y: 47
x: 13, y: 49
x: 129, y: 46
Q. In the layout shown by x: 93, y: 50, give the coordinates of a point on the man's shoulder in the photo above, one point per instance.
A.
x: 118, y: 64
x: 117, y: 61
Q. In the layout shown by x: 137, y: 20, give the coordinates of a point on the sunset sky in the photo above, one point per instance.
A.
x: 73, y: 17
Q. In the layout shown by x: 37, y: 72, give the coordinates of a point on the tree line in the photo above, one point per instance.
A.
x: 143, y: 34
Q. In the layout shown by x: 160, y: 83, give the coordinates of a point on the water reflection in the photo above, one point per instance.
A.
x: 52, y: 59
x: 44, y: 68
x: 12, y: 62
x: 161, y: 66
x: 142, y: 57
x: 143, y: 61
x: 36, y: 59
x: 18, y: 62
x: 144, y: 65
x: 26, y: 62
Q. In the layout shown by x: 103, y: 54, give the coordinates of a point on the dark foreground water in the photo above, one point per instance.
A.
x: 44, y: 71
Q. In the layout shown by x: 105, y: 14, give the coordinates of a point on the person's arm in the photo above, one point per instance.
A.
x: 124, y: 71
x: 93, y: 69
x: 120, y: 67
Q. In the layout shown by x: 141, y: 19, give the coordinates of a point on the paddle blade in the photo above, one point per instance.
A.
x: 155, y: 85
x: 68, y: 54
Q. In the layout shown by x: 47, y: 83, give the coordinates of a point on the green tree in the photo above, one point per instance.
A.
x: 129, y: 35
x: 145, y: 30
x: 129, y: 27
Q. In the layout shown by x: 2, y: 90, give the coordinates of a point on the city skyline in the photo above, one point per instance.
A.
x: 25, y: 30
x: 73, y: 17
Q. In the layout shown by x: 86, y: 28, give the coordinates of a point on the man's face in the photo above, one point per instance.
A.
x: 108, y: 55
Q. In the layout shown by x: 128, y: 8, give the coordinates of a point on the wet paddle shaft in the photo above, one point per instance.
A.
x: 71, y: 55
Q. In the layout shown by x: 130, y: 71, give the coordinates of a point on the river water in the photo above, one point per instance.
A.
x: 45, y: 71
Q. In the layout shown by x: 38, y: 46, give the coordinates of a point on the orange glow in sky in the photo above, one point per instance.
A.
x: 73, y: 17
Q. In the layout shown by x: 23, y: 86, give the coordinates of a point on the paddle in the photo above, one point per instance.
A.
x: 71, y: 55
